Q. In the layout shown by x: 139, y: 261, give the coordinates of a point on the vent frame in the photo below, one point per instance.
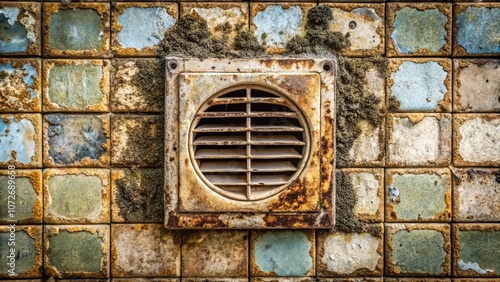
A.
x: 290, y: 209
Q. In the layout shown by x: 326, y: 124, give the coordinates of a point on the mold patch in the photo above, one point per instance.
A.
x: 73, y: 139
x: 78, y: 29
x: 478, y: 30
x: 139, y: 195
x: 416, y: 30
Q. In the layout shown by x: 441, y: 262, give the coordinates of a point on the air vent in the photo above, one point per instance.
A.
x: 249, y: 142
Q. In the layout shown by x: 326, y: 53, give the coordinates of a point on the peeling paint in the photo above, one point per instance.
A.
x: 275, y: 26
x: 17, y: 140
x: 143, y: 27
x: 473, y: 266
x: 419, y: 86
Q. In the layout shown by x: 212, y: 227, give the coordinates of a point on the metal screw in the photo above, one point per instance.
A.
x: 352, y: 25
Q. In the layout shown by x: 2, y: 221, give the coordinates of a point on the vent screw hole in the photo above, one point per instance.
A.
x: 173, y: 65
x: 353, y: 25
x: 327, y: 67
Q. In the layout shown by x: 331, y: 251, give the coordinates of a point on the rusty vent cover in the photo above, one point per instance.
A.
x: 249, y: 143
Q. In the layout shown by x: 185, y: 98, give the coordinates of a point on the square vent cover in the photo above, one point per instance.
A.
x: 249, y: 143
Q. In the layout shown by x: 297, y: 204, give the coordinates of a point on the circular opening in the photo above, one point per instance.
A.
x: 173, y: 65
x: 352, y: 25
x: 249, y: 142
x: 327, y: 67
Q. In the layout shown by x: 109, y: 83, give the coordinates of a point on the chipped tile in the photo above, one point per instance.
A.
x: 137, y: 195
x: 476, y: 85
x: 476, y: 140
x: 76, y: 251
x: 137, y: 140
x: 138, y: 28
x: 86, y: 200
x: 350, y: 254
x: 275, y: 24
x: 419, y: 85
x: 20, y: 25
x: 159, y: 255
x: 367, y: 186
x: 418, y: 249
x: 81, y: 29
x: 20, y: 140
x: 75, y: 85
x: 365, y: 25
x: 418, y: 139
x: 215, y: 254
x: 282, y: 253
x: 418, y: 195
x: 76, y: 140
x: 20, y: 85
x: 475, y: 252
x: 28, y: 196
x: 25, y: 257
x: 476, y: 29
x: 223, y: 19
x: 137, y: 85
x: 476, y: 194
x: 419, y: 29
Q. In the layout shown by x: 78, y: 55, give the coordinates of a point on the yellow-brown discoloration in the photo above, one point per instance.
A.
x: 103, y: 160
x: 380, y: 11
x: 228, y: 22
x: 255, y: 270
x: 103, y: 174
x: 391, y: 229
x: 118, y: 9
x: 390, y: 211
x: 104, y: 234
x: 36, y: 159
x: 103, y: 9
x: 48, y: 106
x: 322, y: 268
x: 34, y: 232
x: 14, y: 93
x: 445, y: 104
x: 115, y: 209
x: 458, y: 121
x: 35, y: 177
x: 393, y: 8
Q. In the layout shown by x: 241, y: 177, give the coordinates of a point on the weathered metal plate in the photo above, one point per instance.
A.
x: 307, y: 202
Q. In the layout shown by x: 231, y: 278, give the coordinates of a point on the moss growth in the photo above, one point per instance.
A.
x: 318, y: 37
x: 345, y: 219
x: 140, y: 195
x: 353, y: 103
x: 247, y: 44
x: 394, y: 104
x: 145, y: 142
x: 150, y: 79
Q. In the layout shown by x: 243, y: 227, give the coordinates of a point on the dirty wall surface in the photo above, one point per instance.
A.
x: 418, y: 140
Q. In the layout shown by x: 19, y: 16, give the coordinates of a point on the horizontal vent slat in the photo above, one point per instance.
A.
x: 244, y: 114
x: 275, y: 153
x: 221, y: 140
x: 223, y: 166
x: 276, y: 140
x: 235, y: 100
x: 273, y: 166
x: 220, y: 128
x: 269, y: 180
x: 276, y: 128
x: 220, y: 154
x: 227, y: 179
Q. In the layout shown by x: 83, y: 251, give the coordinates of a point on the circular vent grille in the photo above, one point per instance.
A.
x: 249, y: 143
